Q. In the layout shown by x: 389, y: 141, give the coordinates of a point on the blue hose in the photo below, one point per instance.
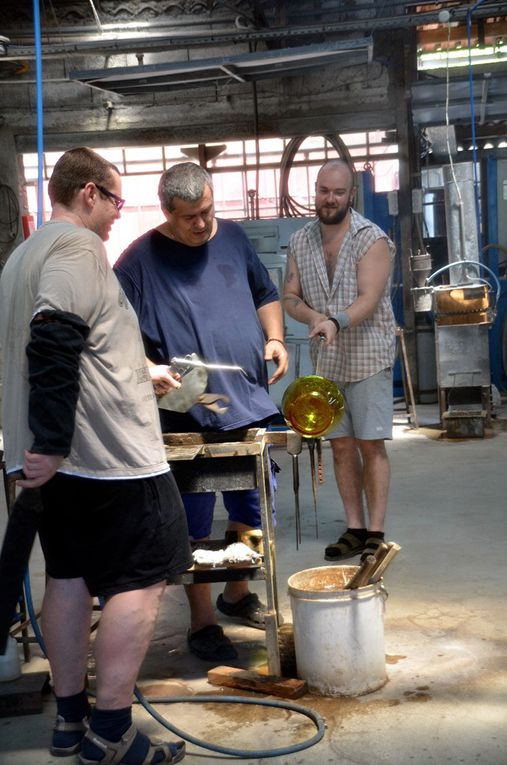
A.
x: 241, y: 753
x: 147, y: 705
x: 31, y: 613
x: 40, y: 121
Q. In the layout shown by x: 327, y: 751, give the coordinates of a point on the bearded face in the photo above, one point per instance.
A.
x: 334, y: 194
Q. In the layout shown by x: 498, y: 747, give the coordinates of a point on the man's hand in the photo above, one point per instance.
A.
x: 315, y: 321
x: 163, y: 379
x: 38, y: 469
x: 325, y: 328
x: 276, y: 351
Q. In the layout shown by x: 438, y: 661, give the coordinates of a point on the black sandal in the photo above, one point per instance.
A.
x: 249, y: 610
x: 348, y: 545
x: 370, y: 547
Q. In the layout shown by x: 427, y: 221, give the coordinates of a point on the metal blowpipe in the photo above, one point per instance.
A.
x: 191, y: 361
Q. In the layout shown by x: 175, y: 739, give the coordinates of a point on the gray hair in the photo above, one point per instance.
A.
x: 186, y: 181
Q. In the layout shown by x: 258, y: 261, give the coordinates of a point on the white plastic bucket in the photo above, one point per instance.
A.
x: 10, y: 666
x: 338, y: 634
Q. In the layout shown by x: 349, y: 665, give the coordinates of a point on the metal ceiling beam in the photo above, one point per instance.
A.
x: 185, y: 39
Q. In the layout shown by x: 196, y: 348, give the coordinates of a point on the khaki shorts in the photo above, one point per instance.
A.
x: 368, y: 408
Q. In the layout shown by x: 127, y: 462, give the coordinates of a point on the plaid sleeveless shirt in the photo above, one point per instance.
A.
x: 357, y: 352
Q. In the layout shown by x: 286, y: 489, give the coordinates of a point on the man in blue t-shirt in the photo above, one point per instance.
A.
x: 197, y: 286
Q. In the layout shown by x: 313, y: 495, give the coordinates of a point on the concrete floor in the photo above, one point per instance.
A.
x: 445, y: 625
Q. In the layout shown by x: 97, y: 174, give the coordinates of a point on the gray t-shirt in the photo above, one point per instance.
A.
x: 117, y: 432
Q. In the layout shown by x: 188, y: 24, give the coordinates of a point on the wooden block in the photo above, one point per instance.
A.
x: 232, y: 677
x: 24, y: 695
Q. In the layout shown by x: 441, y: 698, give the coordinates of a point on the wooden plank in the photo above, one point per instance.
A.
x: 232, y: 677
x: 182, y: 452
x: 24, y: 695
x: 229, y: 450
x: 247, y: 435
x: 252, y: 435
x: 277, y: 437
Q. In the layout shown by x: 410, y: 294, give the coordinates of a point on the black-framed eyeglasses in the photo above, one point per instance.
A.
x: 116, y: 200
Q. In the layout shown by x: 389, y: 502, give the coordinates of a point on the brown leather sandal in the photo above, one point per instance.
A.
x: 114, y: 750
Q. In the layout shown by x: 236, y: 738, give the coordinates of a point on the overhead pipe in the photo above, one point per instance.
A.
x: 39, y: 110
x: 186, y: 38
x: 472, y: 119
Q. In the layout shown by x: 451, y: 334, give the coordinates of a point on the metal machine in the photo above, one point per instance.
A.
x: 464, y: 310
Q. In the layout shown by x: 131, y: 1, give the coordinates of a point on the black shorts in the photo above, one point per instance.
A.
x: 118, y: 535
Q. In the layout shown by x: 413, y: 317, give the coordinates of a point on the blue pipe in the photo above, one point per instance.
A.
x: 40, y: 122
x: 472, y: 116
x: 31, y: 613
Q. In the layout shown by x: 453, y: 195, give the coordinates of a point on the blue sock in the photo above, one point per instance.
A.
x: 73, y: 708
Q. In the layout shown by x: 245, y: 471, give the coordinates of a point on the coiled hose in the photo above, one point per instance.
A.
x: 147, y: 705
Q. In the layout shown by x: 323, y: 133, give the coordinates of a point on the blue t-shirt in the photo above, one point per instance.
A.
x: 204, y: 300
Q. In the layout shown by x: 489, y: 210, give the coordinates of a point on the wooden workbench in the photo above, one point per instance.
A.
x: 231, y: 461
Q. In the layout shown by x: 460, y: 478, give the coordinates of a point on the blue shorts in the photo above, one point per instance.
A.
x: 242, y: 507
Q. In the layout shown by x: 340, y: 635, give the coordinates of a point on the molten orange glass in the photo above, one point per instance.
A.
x: 312, y: 406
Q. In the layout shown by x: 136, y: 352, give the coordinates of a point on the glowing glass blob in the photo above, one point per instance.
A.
x: 312, y: 406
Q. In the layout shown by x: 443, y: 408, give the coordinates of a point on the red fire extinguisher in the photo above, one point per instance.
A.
x: 28, y: 225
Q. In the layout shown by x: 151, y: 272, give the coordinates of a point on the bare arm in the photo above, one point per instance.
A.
x: 292, y: 297
x: 271, y: 319
x: 372, y: 276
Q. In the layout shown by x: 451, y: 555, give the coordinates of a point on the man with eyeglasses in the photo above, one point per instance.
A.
x: 117, y: 201
x: 81, y: 428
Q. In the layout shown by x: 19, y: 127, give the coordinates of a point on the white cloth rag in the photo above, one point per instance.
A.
x: 235, y: 553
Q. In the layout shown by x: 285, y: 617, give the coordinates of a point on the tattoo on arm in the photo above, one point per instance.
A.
x: 289, y: 276
x: 294, y: 301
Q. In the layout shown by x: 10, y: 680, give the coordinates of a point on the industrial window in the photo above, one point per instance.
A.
x: 246, y: 176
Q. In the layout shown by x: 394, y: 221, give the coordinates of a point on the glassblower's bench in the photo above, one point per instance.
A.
x: 229, y: 461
